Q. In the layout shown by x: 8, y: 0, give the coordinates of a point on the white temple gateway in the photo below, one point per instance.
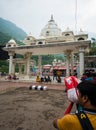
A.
x: 52, y: 41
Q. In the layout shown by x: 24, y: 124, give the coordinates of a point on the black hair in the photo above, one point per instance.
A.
x: 88, y: 88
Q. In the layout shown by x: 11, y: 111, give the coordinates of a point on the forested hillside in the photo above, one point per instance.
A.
x: 10, y: 29
x: 4, y: 38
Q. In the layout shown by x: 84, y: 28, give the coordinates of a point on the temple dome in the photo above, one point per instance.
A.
x: 11, y: 43
x: 30, y: 37
x: 29, y: 40
x: 51, y: 29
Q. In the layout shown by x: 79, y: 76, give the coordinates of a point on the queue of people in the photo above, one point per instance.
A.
x: 47, y: 79
x: 43, y: 79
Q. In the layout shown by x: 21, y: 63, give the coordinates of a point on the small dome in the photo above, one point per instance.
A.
x: 51, y: 29
x: 82, y: 35
x: 29, y: 39
x: 11, y: 43
x: 68, y: 33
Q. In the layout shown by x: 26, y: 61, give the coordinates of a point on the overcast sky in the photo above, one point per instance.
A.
x: 33, y: 15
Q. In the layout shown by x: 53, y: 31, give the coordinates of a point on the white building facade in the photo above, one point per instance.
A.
x: 52, y: 41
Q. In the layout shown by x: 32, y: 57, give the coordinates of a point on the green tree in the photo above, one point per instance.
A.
x: 93, y: 47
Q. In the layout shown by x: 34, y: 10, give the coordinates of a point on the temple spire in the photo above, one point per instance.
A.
x: 51, y: 18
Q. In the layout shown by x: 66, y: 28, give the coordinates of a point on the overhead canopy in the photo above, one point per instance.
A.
x: 62, y: 68
x: 59, y: 68
x: 52, y: 48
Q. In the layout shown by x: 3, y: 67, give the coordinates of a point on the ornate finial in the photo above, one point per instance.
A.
x: 51, y: 18
x: 81, y: 30
x: 30, y: 33
x: 67, y: 29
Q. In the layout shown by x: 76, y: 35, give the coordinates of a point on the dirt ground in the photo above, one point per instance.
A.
x: 24, y: 109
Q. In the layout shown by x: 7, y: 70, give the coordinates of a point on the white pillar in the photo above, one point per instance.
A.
x: 68, y: 62
x: 11, y: 54
x: 72, y: 63
x: 28, y: 65
x: 25, y: 68
x: 81, y: 60
x: 28, y: 57
x: 40, y: 64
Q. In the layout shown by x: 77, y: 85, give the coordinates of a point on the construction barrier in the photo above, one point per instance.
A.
x: 34, y: 87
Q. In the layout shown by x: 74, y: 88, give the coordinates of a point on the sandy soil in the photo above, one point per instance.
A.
x: 24, y: 109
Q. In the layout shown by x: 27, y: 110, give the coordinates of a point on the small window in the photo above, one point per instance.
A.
x: 67, y: 34
x: 47, y: 33
x: 28, y: 38
x: 40, y: 42
x: 9, y: 45
x: 80, y: 39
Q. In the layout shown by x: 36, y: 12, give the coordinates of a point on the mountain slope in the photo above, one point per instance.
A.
x: 11, y: 29
x: 4, y: 38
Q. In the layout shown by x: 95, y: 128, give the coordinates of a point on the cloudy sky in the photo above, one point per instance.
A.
x: 33, y: 15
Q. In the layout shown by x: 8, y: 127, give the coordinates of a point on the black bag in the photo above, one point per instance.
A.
x: 84, y: 121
